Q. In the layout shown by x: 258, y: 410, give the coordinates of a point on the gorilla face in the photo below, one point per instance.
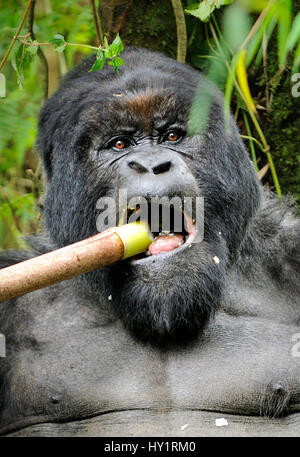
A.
x: 101, y: 133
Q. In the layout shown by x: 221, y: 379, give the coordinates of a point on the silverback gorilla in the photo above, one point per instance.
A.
x: 205, y: 331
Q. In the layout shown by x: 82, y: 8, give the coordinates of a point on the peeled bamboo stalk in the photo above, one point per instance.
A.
x: 98, y: 251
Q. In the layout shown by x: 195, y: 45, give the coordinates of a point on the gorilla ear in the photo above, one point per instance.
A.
x: 47, y: 162
x: 45, y: 148
x: 45, y: 157
x: 82, y: 145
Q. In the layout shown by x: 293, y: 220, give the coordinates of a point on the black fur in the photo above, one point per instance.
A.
x: 165, y: 299
x: 154, y: 300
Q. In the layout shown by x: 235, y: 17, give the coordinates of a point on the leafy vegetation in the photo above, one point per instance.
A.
x: 204, y: 10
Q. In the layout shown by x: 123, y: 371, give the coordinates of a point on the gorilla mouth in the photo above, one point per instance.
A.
x: 171, y: 233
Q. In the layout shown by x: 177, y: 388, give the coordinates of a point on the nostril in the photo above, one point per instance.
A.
x: 137, y: 167
x: 162, y: 168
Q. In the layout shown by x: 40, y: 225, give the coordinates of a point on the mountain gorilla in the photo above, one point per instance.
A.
x: 185, y: 334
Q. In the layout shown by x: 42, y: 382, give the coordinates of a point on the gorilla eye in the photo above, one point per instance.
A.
x: 120, y: 143
x: 173, y: 136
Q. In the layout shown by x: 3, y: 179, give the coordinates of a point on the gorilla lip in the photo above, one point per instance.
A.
x: 167, y: 241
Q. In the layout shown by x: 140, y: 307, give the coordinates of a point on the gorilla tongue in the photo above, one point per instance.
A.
x: 166, y: 243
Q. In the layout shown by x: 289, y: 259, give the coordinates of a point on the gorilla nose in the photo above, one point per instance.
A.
x: 156, y: 169
x: 161, y: 168
x: 156, y: 173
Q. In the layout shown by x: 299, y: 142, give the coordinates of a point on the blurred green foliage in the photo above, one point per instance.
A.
x: 19, y: 111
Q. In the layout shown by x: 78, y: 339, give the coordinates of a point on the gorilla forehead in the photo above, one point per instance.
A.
x: 146, y: 110
x: 138, y: 95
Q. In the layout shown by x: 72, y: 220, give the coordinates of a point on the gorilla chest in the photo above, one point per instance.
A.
x: 240, y: 365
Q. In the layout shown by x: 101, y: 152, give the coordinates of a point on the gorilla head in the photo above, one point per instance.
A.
x: 101, y: 132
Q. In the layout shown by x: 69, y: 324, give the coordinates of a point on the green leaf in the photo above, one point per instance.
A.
x: 284, y: 24
x: 294, y: 33
x: 117, y: 46
x: 114, y: 49
x: 58, y: 42
x: 297, y: 58
x: 206, y: 8
x: 268, y: 33
x: 100, y: 53
x: 99, y: 62
x: 32, y: 49
x: 242, y: 78
x: 106, y: 45
x: 16, y: 63
x: 116, y: 62
x: 108, y: 53
x: 205, y: 93
x: 268, y: 24
x: 228, y: 90
x: 21, y: 60
x: 236, y: 24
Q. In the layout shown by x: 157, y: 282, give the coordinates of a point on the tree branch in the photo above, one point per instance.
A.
x: 181, y: 30
x: 16, y: 34
x: 97, y: 22
x: 39, y: 52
